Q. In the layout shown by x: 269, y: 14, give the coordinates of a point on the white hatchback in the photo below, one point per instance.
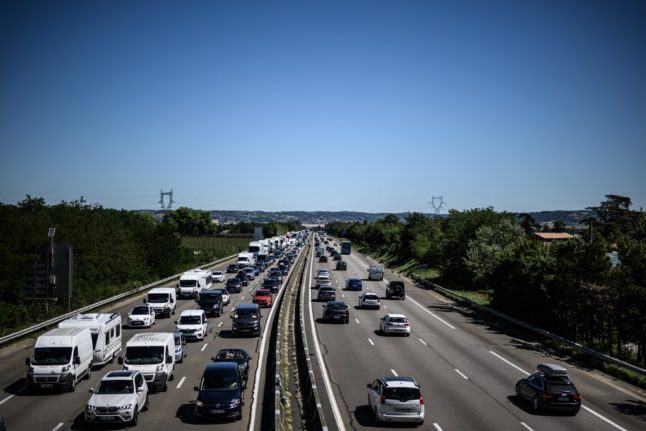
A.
x: 396, y: 399
x: 369, y: 300
x: 141, y: 315
x: 218, y: 276
x: 394, y: 324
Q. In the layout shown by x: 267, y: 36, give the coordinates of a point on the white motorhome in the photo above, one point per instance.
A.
x: 153, y: 355
x: 61, y: 357
x: 163, y: 300
x: 106, y: 333
x: 246, y: 259
x: 192, y: 282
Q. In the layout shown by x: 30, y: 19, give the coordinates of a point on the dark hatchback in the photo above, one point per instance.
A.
x: 336, y: 311
x: 233, y: 268
x: 270, y: 284
x: 234, y: 285
x: 353, y: 284
x: 220, y: 393
x: 341, y: 266
x: 211, y: 302
x: 550, y: 388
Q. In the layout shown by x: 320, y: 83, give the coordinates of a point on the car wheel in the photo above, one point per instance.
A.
x: 518, y: 391
x: 535, y: 406
x: 146, y: 404
x: 164, y: 386
x: 89, y: 372
x: 377, y: 421
x: 135, y: 417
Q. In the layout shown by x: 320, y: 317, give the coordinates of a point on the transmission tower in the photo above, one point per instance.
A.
x: 170, y: 200
x: 437, y: 202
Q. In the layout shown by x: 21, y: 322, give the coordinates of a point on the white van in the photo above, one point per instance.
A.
x: 153, y: 355
x: 376, y: 272
x: 163, y: 300
x: 106, y: 334
x: 192, y: 282
x: 61, y: 357
x: 246, y: 259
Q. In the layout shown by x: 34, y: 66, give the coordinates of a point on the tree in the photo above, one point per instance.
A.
x: 528, y: 223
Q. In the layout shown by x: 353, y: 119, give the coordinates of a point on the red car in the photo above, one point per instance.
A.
x: 263, y: 297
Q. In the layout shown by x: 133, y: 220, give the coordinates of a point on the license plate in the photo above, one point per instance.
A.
x: 104, y: 418
x: 46, y: 385
x: 564, y: 399
x: 217, y: 412
x: 401, y: 410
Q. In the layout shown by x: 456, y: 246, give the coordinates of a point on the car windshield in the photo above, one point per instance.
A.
x: 402, y: 394
x: 217, y: 274
x: 211, y: 296
x: 371, y: 297
x: 157, y: 297
x: 397, y: 320
x: 190, y: 320
x: 245, y: 314
x: 231, y: 355
x: 107, y: 387
x: 233, y: 282
x: 187, y: 283
x: 260, y: 293
x: 51, y: 355
x: 220, y: 291
x: 559, y: 388
x: 219, y: 382
x: 336, y: 307
x: 140, y: 310
x: 144, y: 354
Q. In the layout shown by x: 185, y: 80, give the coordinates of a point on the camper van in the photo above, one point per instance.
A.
x: 192, y: 282
x: 61, y: 357
x: 106, y: 334
x: 163, y: 300
x: 246, y: 259
x: 152, y: 354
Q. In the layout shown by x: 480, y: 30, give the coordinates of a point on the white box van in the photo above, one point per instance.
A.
x: 61, y: 357
x: 376, y: 272
x: 153, y: 355
x: 106, y: 334
x: 163, y: 300
x: 192, y: 282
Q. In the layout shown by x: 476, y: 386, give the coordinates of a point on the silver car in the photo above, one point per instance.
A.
x: 396, y: 399
x: 369, y: 300
x: 180, y: 347
x: 394, y: 324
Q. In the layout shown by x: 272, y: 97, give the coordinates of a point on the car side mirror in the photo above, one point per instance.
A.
x: 145, y: 300
x: 369, y: 386
x: 91, y: 390
x: 77, y: 360
x: 169, y: 359
x: 195, y: 388
x: 27, y: 361
x: 120, y: 360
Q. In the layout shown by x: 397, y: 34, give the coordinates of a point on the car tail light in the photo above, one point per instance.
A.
x: 382, y: 400
x: 546, y: 396
x: 577, y: 397
x: 421, y: 400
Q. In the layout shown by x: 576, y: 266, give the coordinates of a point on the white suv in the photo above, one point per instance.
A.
x: 119, y: 397
x: 192, y: 323
x: 396, y: 399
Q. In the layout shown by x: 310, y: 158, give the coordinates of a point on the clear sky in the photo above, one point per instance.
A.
x: 371, y: 106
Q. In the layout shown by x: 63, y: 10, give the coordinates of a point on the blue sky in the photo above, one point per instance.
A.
x: 353, y: 105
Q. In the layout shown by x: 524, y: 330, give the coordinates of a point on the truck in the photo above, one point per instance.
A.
x: 153, y: 355
x: 61, y: 357
x: 163, y: 300
x: 105, y: 329
x: 192, y: 282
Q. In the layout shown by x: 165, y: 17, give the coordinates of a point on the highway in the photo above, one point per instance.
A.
x: 467, y: 369
x: 172, y: 409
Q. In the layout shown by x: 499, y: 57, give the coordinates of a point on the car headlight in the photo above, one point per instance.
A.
x: 125, y: 407
x: 235, y: 403
x: 90, y: 408
x: 199, y: 403
x: 159, y: 368
x: 65, y: 368
x: 31, y: 370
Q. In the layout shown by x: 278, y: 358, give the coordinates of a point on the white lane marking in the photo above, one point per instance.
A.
x: 527, y: 426
x: 6, y: 399
x: 220, y: 324
x: 508, y: 363
x: 204, y: 347
x: 461, y: 374
x: 181, y: 382
x: 357, y: 320
x: 385, y: 307
x: 437, y: 426
x: 422, y: 341
x: 603, y: 418
x: 241, y: 298
x: 394, y: 372
x: 326, y: 378
x: 371, y: 342
x: 586, y: 408
x: 57, y: 427
x: 342, y: 295
x: 426, y: 310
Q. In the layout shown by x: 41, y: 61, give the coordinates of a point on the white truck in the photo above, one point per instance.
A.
x: 106, y: 334
x: 192, y: 282
x: 163, y: 300
x: 153, y: 355
x: 246, y: 259
x: 61, y: 357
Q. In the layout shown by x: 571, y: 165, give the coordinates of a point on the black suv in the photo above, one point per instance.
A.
x: 211, y: 302
x: 234, y: 285
x: 341, y: 266
x: 550, y: 388
x: 233, y: 268
x: 395, y: 289
x: 336, y: 311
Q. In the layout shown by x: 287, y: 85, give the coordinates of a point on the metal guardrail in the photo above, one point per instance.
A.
x: 574, y: 344
x: 32, y: 329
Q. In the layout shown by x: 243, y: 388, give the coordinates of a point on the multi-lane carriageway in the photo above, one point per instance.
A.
x: 466, y: 368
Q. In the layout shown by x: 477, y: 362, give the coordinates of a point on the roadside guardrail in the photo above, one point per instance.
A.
x: 32, y: 329
x: 574, y: 344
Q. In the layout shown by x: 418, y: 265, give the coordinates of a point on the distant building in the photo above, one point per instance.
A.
x: 552, y: 236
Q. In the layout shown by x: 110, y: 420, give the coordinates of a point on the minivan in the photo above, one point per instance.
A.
x: 220, y: 392
x: 246, y: 320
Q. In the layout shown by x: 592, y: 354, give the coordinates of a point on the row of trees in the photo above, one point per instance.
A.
x: 569, y: 287
x: 113, y: 251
